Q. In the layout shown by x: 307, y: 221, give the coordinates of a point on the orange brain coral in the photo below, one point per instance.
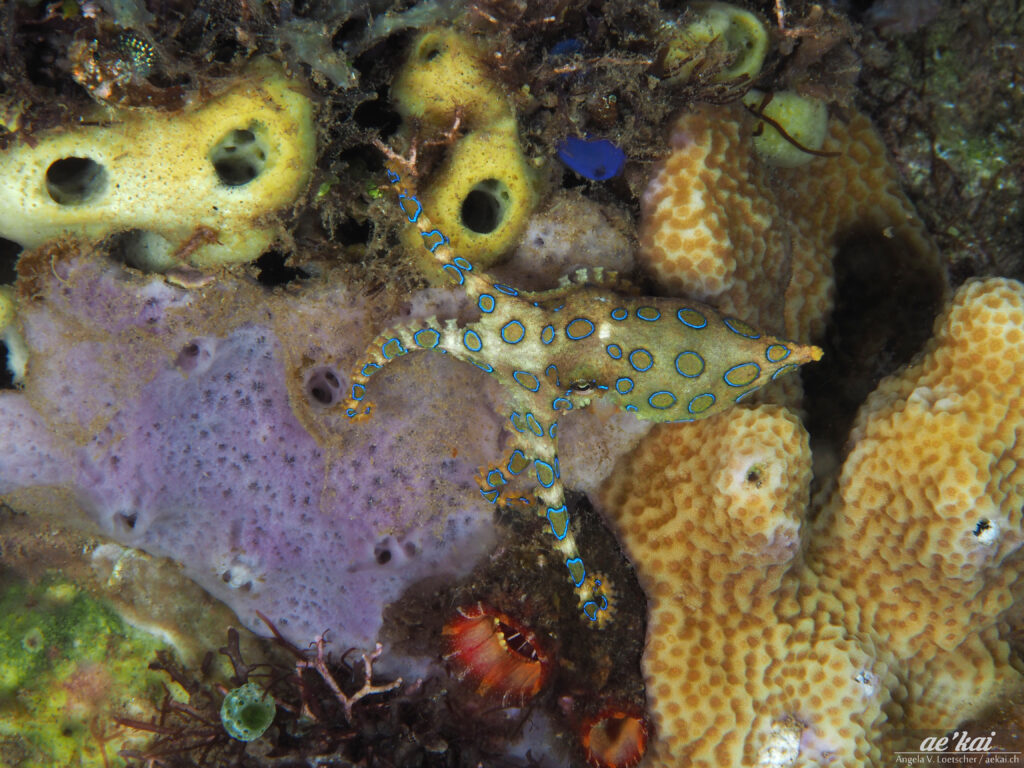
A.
x: 721, y: 227
x: 758, y: 655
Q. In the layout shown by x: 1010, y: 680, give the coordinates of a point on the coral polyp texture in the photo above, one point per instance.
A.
x: 720, y: 227
x: 780, y: 639
x: 197, y: 186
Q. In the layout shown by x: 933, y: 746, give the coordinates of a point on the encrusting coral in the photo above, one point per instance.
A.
x: 759, y: 654
x: 66, y: 660
x: 720, y: 227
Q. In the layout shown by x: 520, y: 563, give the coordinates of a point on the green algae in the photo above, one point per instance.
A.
x: 67, y: 661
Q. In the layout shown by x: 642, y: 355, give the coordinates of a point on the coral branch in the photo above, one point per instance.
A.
x: 347, y: 702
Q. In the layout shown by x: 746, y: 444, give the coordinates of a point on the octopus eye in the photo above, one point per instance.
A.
x: 582, y: 386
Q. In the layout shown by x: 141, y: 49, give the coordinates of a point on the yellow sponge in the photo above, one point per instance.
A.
x: 804, y: 120
x: 198, y: 184
x: 445, y: 75
x: 482, y: 197
x: 729, y: 40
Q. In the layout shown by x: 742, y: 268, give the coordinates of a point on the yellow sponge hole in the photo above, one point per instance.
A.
x: 482, y: 197
x: 445, y: 75
x: 722, y: 35
x: 224, y: 166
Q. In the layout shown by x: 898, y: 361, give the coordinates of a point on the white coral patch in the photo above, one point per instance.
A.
x: 782, y: 747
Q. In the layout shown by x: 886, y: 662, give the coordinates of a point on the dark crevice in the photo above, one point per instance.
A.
x: 886, y: 303
x: 274, y: 270
x: 352, y: 232
x: 6, y: 380
x: 377, y: 114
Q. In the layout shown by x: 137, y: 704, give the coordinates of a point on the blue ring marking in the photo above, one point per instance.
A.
x: 471, y: 340
x: 640, y: 353
x: 454, y: 273
x: 491, y: 495
x: 507, y: 290
x: 391, y: 355
x: 692, y: 318
x: 624, y: 385
x: 661, y: 405
x: 740, y: 328
x: 553, y: 433
x: 541, y: 466
x: 372, y: 367
x: 547, y: 335
x: 533, y: 425
x: 583, y: 329
x: 783, y: 371
x: 742, y: 375
x: 526, y: 380
x: 614, y: 351
x: 426, y: 345
x: 575, y: 565
x: 350, y: 412
x: 494, y: 483
x: 776, y: 353
x: 486, y: 303
x: 419, y: 206
x: 650, y: 314
x: 513, y: 332
x: 550, y: 375
x: 463, y: 263
x: 519, y: 426
x: 689, y: 361
x: 485, y: 367
x: 558, y: 471
x: 706, y: 401
x: 559, y: 519
x: 602, y: 387
x: 620, y: 313
x: 392, y: 177
x: 632, y: 408
x: 748, y: 392
x: 561, y: 402
x: 358, y: 391
x: 559, y: 308
x: 590, y: 609
x: 680, y: 421
x: 441, y: 240
x: 517, y: 453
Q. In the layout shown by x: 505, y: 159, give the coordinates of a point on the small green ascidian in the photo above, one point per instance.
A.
x: 247, y: 712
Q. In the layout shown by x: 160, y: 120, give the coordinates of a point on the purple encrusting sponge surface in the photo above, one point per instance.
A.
x: 184, y: 422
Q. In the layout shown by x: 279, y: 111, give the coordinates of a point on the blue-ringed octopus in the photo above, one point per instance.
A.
x: 662, y: 359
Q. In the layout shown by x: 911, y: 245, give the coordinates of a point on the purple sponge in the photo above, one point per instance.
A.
x: 197, y: 425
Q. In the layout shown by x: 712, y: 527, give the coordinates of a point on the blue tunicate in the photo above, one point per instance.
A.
x: 567, y: 47
x: 596, y: 159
